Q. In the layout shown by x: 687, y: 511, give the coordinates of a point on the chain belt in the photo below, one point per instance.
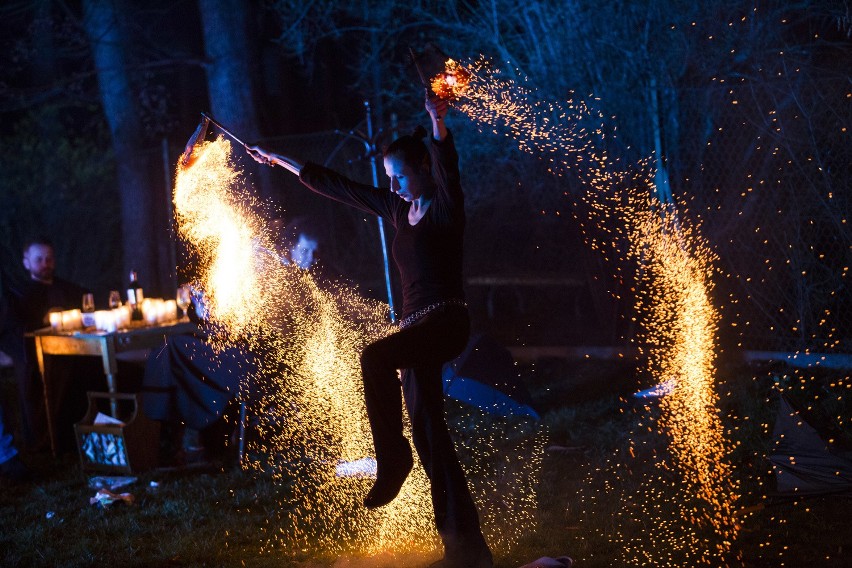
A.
x: 414, y: 317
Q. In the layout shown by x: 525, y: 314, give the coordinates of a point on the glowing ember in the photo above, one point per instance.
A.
x: 452, y: 83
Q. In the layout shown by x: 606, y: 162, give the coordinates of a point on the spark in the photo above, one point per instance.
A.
x: 453, y: 82
x: 310, y: 409
x: 673, y: 265
x: 307, y: 397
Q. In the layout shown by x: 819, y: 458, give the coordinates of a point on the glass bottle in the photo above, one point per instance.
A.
x: 135, y: 296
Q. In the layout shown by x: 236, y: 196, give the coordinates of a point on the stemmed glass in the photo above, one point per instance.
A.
x: 183, y: 299
x: 88, y: 311
x: 114, y: 299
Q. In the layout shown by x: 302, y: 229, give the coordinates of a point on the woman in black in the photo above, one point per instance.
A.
x: 426, y: 206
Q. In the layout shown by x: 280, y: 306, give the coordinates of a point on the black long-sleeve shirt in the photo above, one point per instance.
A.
x: 429, y: 254
x: 34, y: 299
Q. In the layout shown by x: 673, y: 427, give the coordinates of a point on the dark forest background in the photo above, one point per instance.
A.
x: 750, y: 103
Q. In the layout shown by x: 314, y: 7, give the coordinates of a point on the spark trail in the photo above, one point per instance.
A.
x: 308, y: 395
x: 672, y: 285
x: 308, y: 400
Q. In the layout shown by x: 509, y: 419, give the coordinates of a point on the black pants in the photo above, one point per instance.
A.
x: 421, y: 350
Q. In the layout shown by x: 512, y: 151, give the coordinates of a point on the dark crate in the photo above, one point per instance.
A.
x: 130, y: 447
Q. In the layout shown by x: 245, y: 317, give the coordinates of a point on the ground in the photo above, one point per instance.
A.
x: 219, y: 516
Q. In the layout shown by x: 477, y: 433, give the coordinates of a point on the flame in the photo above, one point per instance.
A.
x: 452, y: 83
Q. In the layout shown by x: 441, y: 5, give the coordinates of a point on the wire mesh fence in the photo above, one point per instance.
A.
x: 769, y: 171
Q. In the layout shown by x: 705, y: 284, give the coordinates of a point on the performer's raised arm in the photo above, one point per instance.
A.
x: 437, y: 109
x: 265, y: 157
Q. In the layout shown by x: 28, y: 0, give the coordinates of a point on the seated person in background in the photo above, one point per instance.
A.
x: 12, y: 470
x: 189, y: 384
x: 30, y: 305
x: 43, y: 292
x: 298, y: 241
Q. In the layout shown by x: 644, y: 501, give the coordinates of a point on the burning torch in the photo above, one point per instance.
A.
x: 206, y: 120
x: 449, y: 79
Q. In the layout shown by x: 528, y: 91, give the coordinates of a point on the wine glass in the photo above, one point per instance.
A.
x: 114, y: 299
x: 88, y: 312
x: 183, y: 298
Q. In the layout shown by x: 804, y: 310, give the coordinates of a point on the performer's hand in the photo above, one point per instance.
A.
x: 270, y: 158
x: 437, y: 109
x: 260, y: 155
x: 436, y: 106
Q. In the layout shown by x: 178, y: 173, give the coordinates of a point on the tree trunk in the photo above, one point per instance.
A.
x: 229, y: 73
x: 107, y: 38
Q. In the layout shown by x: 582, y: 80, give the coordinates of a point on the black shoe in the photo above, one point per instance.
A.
x: 14, y: 471
x: 389, y: 479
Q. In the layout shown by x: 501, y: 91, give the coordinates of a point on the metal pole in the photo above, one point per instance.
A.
x: 371, y: 150
x: 170, y: 214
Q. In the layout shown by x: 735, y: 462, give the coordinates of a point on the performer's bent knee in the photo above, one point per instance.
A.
x: 372, y: 360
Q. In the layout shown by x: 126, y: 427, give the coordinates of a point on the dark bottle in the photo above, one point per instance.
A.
x: 135, y: 296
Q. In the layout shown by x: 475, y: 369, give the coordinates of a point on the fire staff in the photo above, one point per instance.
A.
x: 425, y: 204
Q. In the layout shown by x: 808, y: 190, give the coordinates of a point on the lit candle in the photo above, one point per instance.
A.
x: 150, y: 311
x: 69, y: 321
x: 77, y: 318
x: 171, y: 310
x: 110, y: 322
x: 100, y: 319
x: 161, y: 310
x: 56, y: 321
x: 122, y: 316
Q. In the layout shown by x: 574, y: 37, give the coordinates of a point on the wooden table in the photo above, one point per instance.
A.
x: 105, y: 345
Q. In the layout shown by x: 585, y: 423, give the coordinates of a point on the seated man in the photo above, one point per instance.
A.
x: 189, y: 383
x: 30, y: 305
x: 43, y: 292
x: 12, y: 470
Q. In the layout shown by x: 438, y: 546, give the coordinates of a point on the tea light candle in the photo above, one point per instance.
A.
x: 110, y: 323
x: 56, y: 320
x: 100, y: 319
x: 150, y: 311
x: 122, y: 316
x: 70, y: 320
x: 105, y: 320
x: 171, y: 310
x: 77, y: 318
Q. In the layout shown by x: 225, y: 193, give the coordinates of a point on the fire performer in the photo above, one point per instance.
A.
x: 425, y: 204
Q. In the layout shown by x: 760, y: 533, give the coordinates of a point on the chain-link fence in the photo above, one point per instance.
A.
x: 764, y: 162
x: 769, y: 172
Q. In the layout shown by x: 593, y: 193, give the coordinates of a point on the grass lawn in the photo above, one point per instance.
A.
x: 227, y: 517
